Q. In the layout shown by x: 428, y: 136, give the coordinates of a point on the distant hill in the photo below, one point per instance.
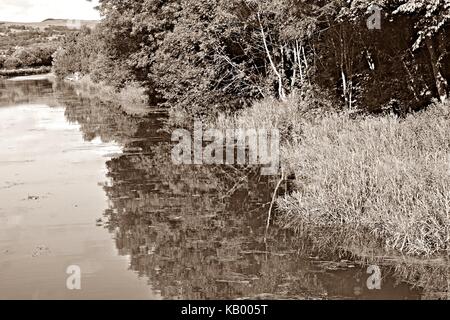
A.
x: 54, y: 22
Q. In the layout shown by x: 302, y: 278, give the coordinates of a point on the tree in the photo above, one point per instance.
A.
x: 74, y: 54
x: 433, y: 19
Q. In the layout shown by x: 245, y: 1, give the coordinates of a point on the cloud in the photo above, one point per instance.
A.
x: 38, y: 10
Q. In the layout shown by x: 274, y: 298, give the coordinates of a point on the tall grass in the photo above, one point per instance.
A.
x: 381, y: 176
x: 289, y: 117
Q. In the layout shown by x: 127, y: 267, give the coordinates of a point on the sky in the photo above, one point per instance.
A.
x: 38, y: 10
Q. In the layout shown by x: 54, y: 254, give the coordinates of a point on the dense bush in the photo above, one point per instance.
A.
x: 12, y: 63
x: 85, y: 52
x: 74, y: 53
x: 32, y: 56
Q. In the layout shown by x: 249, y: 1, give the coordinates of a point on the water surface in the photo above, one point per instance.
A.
x: 84, y: 184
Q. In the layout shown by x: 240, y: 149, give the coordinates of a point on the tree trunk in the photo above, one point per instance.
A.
x: 299, y: 61
x: 281, y: 92
x: 441, y: 83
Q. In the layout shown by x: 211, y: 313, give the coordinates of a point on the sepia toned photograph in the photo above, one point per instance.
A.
x: 255, y: 151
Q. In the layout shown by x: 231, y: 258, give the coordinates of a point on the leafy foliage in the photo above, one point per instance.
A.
x: 201, y: 57
x: 433, y: 16
x: 24, y: 46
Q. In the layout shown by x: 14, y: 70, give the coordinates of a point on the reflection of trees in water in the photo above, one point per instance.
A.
x: 197, y: 235
x: 429, y: 276
x: 186, y: 233
x: 433, y: 277
x: 197, y: 232
x: 98, y: 119
x: 26, y: 92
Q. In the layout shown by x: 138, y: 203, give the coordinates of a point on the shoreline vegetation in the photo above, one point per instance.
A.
x: 21, y: 72
x: 363, y: 114
x: 131, y: 99
x: 382, y: 177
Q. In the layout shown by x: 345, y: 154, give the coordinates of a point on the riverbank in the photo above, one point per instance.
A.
x: 44, y: 76
x: 383, y: 179
x: 10, y: 73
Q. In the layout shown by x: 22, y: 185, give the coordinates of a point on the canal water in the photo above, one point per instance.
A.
x: 82, y: 184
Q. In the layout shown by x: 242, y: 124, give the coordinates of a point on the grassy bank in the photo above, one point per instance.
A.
x: 132, y: 99
x: 9, y: 73
x: 382, y: 178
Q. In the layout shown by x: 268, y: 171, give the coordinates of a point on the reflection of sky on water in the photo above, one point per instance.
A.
x: 50, y: 198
